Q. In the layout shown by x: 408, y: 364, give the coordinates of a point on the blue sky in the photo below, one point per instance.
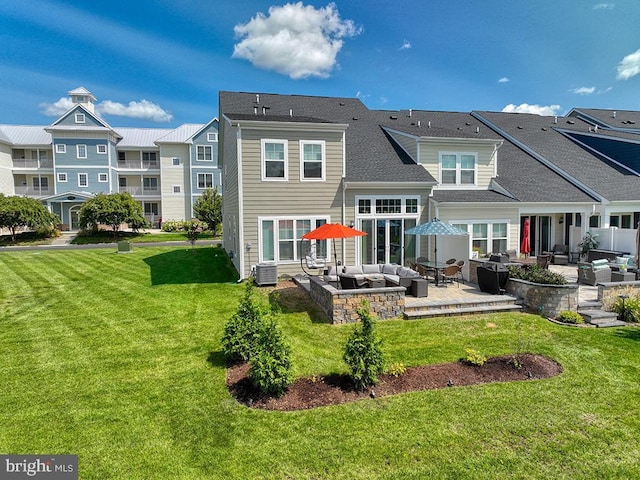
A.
x: 162, y: 63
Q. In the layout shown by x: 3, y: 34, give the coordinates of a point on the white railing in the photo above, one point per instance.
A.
x: 36, y: 192
x: 140, y: 190
x: 138, y: 165
x: 32, y: 163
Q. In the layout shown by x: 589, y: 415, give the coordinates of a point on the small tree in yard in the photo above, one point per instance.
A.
x: 363, y: 351
x: 208, y: 208
x: 113, y: 210
x: 192, y: 229
x: 243, y: 329
x: 20, y: 212
x: 271, y: 364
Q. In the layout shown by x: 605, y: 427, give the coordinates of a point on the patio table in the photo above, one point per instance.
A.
x: 437, y: 266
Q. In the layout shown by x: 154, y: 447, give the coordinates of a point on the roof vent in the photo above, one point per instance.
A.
x: 255, y: 110
x: 410, y: 112
x: 291, y: 112
x: 354, y: 118
x: 520, y: 127
x: 631, y: 122
x: 477, y: 129
x: 467, y: 124
x: 429, y: 124
x: 419, y: 123
x: 555, y: 119
x: 595, y: 128
x: 257, y: 98
x: 570, y: 122
x: 614, y: 114
x: 544, y: 129
x: 264, y: 110
x: 341, y: 104
x: 393, y: 117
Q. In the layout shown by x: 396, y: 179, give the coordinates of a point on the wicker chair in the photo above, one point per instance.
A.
x: 460, y: 264
x: 350, y: 282
x: 543, y: 261
x: 449, y: 274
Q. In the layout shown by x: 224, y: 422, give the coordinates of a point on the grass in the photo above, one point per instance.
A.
x: 117, y: 358
x: 140, y: 237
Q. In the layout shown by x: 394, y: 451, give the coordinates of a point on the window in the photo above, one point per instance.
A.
x: 149, y: 159
x: 204, y: 153
x: 458, y: 168
x: 41, y: 182
x: 103, y: 178
x: 274, y: 160
x: 412, y: 205
x: 212, y: 137
x: 102, y: 149
x: 281, y: 239
x: 175, y: 162
x: 150, y: 184
x: 389, y: 205
x: 205, y: 180
x: 620, y: 221
x: 312, y: 160
x: 61, y: 148
x: 83, y: 180
x: 151, y: 208
x: 176, y: 189
x: 493, y: 235
x: 80, y: 118
x: 122, y: 182
x: 122, y: 157
x: 364, y: 206
x: 62, y: 177
x: 594, y: 221
x: 81, y: 151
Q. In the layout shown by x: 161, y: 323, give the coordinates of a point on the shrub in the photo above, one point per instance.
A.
x: 243, y: 329
x: 396, y: 369
x: 270, y: 370
x: 631, y: 311
x: 567, y: 316
x: 172, y: 226
x: 363, y: 351
x: 474, y: 357
x: 537, y: 275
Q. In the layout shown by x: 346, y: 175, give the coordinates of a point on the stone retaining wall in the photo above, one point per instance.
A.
x: 340, y: 306
x: 547, y: 300
x: 608, y: 292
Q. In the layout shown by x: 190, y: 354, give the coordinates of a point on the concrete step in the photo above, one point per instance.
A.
x: 600, y: 318
x: 590, y: 305
x: 415, y: 314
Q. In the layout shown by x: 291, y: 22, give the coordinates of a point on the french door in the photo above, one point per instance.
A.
x: 386, y: 242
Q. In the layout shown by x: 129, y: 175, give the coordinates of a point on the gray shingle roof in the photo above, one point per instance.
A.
x: 626, y: 119
x: 541, y: 135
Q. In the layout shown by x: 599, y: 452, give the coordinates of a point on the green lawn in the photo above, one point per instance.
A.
x: 116, y: 358
x: 141, y: 237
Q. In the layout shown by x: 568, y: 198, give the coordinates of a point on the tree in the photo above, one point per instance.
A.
x: 193, y: 228
x: 363, y: 351
x: 208, y: 208
x: 113, y: 209
x: 19, y: 212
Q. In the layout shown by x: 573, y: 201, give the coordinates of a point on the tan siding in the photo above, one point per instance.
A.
x: 230, y: 201
x: 174, y: 206
x: 6, y: 176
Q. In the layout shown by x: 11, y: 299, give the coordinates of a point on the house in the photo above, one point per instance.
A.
x: 293, y: 162
x: 80, y: 154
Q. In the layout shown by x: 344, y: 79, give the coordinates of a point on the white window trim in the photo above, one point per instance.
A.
x: 212, y: 137
x: 403, y: 206
x: 263, y: 142
x: 61, y: 148
x: 322, y: 144
x: 78, y: 150
x: 458, y: 184
x: 101, y: 146
x: 173, y: 162
x: 205, y: 181
x: 80, y: 118
x: 86, y: 177
x: 106, y: 178
x: 205, y: 148
x: 490, y: 238
x: 173, y: 189
x: 276, y: 253
x: 62, y: 177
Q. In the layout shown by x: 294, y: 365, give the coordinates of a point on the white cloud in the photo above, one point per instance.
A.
x: 295, y: 40
x: 503, y: 80
x: 537, y: 109
x: 583, y: 90
x: 604, y: 6
x: 629, y: 66
x: 406, y: 45
x: 58, y: 108
x: 143, y: 109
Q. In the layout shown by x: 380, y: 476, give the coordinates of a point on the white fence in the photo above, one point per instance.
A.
x: 612, y: 238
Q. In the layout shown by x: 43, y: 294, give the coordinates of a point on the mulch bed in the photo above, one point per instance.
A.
x: 318, y: 391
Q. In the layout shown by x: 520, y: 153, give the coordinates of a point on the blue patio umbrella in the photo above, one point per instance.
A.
x: 436, y: 227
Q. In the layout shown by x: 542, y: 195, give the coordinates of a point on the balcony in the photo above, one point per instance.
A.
x: 33, y: 191
x: 32, y: 163
x: 141, y: 191
x: 138, y: 165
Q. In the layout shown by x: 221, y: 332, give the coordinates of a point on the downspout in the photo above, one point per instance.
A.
x: 344, y: 189
x: 242, y: 250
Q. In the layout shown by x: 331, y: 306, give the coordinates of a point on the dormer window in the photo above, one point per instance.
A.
x: 458, y: 168
x: 212, y: 137
x: 80, y: 118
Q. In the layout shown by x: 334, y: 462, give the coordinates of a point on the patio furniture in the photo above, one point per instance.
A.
x: 419, y: 287
x: 592, y: 273
x: 543, y: 261
x: 511, y: 254
x: 350, y: 282
x: 492, y: 277
x: 450, y: 261
x: 376, y: 280
x: 599, y: 253
x: 559, y: 254
x: 435, y: 267
x: 623, y: 276
x: 450, y: 273
x: 460, y: 264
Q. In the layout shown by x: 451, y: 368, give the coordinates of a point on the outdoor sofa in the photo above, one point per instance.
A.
x: 592, y: 273
x: 394, y: 275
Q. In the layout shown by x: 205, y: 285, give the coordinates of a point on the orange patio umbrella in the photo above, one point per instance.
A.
x: 333, y: 231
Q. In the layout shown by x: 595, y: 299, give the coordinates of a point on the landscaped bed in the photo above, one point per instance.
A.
x: 323, y: 390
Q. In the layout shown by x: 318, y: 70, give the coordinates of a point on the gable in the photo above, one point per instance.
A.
x: 79, y: 117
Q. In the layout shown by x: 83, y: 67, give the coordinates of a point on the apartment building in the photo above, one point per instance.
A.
x: 79, y: 155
